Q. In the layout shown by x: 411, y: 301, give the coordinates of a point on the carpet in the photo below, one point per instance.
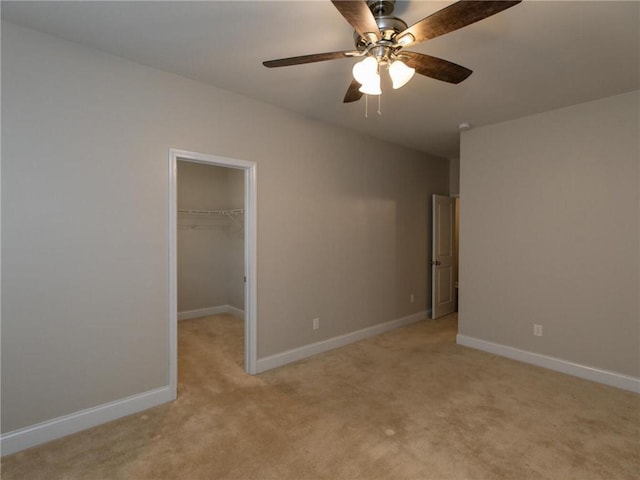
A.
x: 408, y: 404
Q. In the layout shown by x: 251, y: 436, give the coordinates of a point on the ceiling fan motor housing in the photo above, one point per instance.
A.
x: 389, y: 26
x: 381, y: 8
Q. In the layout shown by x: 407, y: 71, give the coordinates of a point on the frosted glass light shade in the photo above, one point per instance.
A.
x: 400, y: 74
x: 372, y: 86
x: 365, y: 71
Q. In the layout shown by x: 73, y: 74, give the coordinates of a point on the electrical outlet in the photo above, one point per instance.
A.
x: 412, y: 298
x: 316, y: 323
x: 537, y: 330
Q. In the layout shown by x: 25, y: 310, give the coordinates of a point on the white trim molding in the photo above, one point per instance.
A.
x: 606, y: 377
x: 236, y: 312
x: 43, y: 432
x: 290, y: 356
x: 205, y: 312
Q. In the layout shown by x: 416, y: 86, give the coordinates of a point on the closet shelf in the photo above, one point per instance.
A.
x: 197, y: 221
x: 212, y: 213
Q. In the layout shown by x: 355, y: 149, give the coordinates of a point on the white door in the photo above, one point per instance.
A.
x: 442, y: 265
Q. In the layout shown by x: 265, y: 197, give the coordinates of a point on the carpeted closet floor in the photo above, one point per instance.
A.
x: 409, y: 404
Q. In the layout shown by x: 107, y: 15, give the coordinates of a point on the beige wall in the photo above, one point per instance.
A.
x: 454, y: 176
x: 550, y: 233
x: 342, y: 222
x: 211, y: 255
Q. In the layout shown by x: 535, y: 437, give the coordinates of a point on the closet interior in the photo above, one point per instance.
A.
x: 210, y: 250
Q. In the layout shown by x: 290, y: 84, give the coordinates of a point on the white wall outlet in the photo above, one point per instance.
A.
x: 412, y: 298
x: 537, y: 330
x: 316, y: 323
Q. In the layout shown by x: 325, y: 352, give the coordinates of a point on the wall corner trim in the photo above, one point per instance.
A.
x: 290, y: 356
x: 586, y: 372
x: 46, y: 431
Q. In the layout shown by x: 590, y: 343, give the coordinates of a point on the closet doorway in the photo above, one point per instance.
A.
x: 212, y: 254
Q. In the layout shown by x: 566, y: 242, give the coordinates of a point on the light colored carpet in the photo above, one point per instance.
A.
x: 409, y: 404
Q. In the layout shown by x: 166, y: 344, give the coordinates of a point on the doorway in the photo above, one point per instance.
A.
x: 248, y: 225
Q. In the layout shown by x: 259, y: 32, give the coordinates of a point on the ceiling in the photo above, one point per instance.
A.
x: 536, y: 56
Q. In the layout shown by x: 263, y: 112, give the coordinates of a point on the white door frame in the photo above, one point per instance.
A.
x: 250, y: 257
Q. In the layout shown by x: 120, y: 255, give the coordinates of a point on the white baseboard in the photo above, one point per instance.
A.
x: 236, y: 312
x: 205, y: 312
x: 280, y: 359
x: 33, y: 435
x: 577, y: 370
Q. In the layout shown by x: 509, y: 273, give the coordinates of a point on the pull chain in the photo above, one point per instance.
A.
x: 366, y: 105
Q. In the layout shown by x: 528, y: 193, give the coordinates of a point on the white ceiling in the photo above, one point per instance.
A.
x: 536, y: 56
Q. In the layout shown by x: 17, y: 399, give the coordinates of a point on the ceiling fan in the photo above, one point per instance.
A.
x: 381, y: 39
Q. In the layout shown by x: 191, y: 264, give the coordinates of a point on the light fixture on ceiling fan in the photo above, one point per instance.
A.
x: 381, y: 39
x: 367, y: 73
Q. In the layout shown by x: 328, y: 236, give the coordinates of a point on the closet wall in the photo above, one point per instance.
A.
x: 210, y: 247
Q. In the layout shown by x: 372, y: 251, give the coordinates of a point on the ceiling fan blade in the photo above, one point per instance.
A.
x: 453, y: 17
x: 358, y: 14
x: 435, y: 67
x: 353, y: 92
x: 316, y: 57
